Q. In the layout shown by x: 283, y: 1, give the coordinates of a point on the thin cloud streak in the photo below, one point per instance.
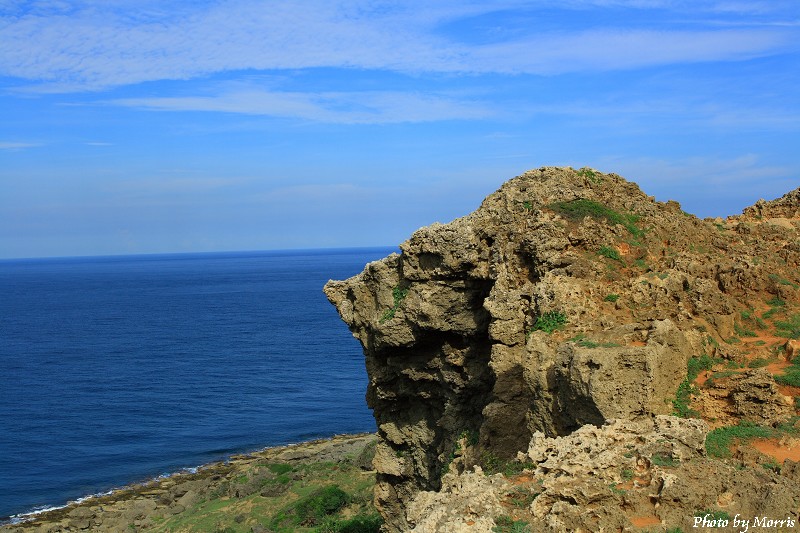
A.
x: 333, y: 107
x: 88, y: 49
x: 14, y: 146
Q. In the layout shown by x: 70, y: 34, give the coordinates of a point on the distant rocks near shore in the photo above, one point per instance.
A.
x: 139, y: 507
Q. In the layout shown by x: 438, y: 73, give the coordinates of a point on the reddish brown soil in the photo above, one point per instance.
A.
x: 645, y: 521
x: 777, y: 450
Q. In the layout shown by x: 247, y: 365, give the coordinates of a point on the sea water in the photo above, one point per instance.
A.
x: 114, y: 370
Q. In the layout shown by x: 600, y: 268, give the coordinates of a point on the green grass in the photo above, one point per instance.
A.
x: 521, y: 497
x: 578, y: 209
x: 317, y: 496
x: 609, y: 252
x: 506, y: 524
x: 758, y: 363
x: 719, y: 441
x: 776, y: 302
x: 398, y: 295
x: 616, y: 490
x: 714, y: 515
x: 664, y: 459
x: 367, y: 523
x: 743, y: 332
x: 783, y: 281
x: 611, y: 298
x: 683, y: 396
x: 550, y: 321
x: 587, y: 172
x: 791, y: 374
x: 789, y: 328
x: 313, y: 508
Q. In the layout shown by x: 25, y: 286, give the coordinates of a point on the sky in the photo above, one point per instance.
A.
x: 162, y: 126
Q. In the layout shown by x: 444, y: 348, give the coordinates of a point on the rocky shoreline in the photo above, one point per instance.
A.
x: 148, y: 506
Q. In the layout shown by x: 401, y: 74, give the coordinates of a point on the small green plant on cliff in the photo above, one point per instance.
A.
x: 312, y: 509
x: 791, y: 374
x: 713, y: 515
x: 580, y: 208
x: 366, y: 523
x: 609, y: 252
x: 743, y: 332
x: 783, y: 281
x: 590, y: 174
x: 549, y: 321
x: 719, y: 441
x: 398, y: 295
x: 506, y: 524
x: 758, y: 362
x: 664, y: 459
x: 611, y: 298
x: 683, y: 396
x: 789, y: 328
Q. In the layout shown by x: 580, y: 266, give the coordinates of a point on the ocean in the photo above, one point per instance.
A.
x: 115, y: 370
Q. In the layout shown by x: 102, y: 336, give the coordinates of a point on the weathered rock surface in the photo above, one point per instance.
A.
x: 568, y: 298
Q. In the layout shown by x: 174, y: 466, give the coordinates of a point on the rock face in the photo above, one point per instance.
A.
x: 568, y: 298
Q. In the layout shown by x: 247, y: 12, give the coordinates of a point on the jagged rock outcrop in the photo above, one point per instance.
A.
x: 568, y: 298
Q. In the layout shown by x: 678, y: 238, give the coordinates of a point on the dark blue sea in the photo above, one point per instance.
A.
x: 115, y: 370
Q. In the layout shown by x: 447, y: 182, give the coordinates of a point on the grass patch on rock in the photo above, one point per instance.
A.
x: 579, y: 209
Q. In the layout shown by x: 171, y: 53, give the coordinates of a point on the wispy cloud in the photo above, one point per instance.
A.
x: 14, y: 146
x: 95, y: 45
x: 708, y: 185
x: 335, y: 107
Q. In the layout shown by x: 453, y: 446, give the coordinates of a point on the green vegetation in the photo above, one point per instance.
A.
x: 664, y: 459
x: 776, y: 302
x: 609, y: 252
x: 398, y: 295
x: 714, y: 515
x: 791, y: 374
x: 718, y: 375
x: 328, y: 497
x: 311, y: 509
x: 616, y: 490
x: 683, y: 396
x: 522, y: 497
x: 627, y: 474
x: 758, y: 363
x: 587, y: 172
x: 550, y: 321
x: 506, y: 524
x: 789, y: 328
x: 698, y: 364
x: 611, y: 298
x: 743, y: 332
x: 719, y: 441
x: 492, y: 464
x: 581, y: 208
x: 783, y: 281
x: 370, y: 523
x: 586, y: 343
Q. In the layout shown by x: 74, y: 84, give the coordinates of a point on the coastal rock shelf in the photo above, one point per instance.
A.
x: 568, y: 298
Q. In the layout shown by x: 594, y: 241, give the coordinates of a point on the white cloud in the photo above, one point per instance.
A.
x: 13, y: 146
x: 95, y: 45
x: 335, y: 107
x: 707, y: 186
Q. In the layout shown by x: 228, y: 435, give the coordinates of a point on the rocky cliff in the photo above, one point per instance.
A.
x: 571, y: 300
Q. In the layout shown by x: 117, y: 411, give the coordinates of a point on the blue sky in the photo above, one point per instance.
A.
x: 145, y: 126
